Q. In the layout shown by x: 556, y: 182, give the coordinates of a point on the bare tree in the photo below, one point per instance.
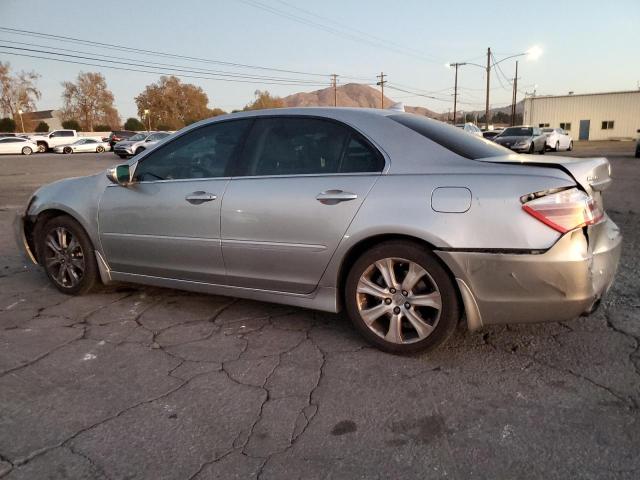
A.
x: 17, y: 91
x: 90, y: 101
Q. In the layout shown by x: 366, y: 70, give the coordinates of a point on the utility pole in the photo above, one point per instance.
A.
x: 381, y: 83
x: 514, y: 97
x: 486, y: 110
x: 455, y: 90
x: 334, y: 84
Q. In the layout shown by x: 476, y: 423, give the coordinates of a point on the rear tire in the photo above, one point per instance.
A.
x: 375, y: 308
x: 100, y: 149
x: 570, y: 146
x: 67, y: 150
x: 544, y: 149
x: 27, y: 151
x: 557, y: 149
x: 531, y: 149
x: 122, y: 156
x: 67, y: 255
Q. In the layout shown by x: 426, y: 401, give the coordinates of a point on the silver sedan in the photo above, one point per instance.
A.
x: 407, y: 224
x: 84, y: 145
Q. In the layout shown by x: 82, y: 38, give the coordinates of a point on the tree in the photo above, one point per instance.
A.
x: 7, y: 125
x: 42, y: 127
x: 162, y: 126
x: 172, y: 103
x: 71, y: 125
x: 264, y: 100
x: 133, y: 124
x: 102, y: 128
x: 17, y: 92
x: 90, y: 100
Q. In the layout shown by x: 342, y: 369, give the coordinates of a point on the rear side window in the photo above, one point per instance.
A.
x: 305, y: 146
x: 451, y: 138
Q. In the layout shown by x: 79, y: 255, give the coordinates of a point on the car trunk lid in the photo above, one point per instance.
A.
x: 592, y: 174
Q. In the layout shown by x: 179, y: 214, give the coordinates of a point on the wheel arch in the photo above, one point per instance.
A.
x: 32, y: 222
x: 365, y: 244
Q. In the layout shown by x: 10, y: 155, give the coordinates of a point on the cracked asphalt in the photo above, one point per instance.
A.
x: 137, y: 382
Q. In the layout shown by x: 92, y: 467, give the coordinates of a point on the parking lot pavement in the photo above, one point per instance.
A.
x: 136, y: 382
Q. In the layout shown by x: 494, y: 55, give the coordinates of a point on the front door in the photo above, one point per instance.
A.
x: 302, y: 183
x: 167, y: 222
x: 584, y: 130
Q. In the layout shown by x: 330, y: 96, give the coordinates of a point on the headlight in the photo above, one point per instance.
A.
x: 522, y: 143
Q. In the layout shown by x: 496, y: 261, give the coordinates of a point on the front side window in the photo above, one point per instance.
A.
x: 306, y: 146
x: 65, y: 133
x: 201, y: 153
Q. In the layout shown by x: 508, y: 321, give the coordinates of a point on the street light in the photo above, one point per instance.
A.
x: 146, y: 113
x: 532, y: 53
x: 21, y: 121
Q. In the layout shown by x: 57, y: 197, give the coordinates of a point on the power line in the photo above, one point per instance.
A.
x: 112, y: 67
x: 147, y: 64
x: 384, y: 41
x: 344, y: 32
x: 63, y: 38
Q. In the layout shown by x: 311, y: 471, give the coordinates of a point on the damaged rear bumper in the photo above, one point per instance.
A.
x: 562, y: 283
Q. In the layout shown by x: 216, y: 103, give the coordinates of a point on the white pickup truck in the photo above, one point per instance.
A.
x: 50, y: 140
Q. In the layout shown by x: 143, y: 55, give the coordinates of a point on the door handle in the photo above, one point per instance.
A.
x: 196, y: 198
x: 332, y: 197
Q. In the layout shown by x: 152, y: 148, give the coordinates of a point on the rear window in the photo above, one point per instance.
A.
x: 451, y: 138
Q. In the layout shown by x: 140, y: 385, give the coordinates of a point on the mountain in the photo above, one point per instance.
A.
x: 358, y: 95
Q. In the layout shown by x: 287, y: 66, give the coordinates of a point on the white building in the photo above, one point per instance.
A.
x: 590, y: 116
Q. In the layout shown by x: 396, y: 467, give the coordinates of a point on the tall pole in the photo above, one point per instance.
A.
x: 381, y: 83
x: 514, y: 98
x: 486, y: 110
x: 21, y: 121
x: 334, y: 84
x: 455, y: 90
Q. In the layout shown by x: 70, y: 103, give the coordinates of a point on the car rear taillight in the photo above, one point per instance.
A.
x: 564, y: 210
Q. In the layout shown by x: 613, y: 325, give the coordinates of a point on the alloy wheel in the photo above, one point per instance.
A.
x: 398, y: 300
x: 64, y: 258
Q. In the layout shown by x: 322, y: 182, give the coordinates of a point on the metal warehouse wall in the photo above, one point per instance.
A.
x: 623, y: 108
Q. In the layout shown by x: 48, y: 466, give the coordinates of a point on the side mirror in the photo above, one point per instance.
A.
x: 120, y: 175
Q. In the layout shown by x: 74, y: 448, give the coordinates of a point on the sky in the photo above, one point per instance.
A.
x: 588, y: 46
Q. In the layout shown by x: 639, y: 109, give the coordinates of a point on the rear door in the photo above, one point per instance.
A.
x: 302, y: 182
x: 167, y: 223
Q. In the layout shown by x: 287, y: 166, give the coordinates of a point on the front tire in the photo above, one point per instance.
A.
x: 557, y: 149
x: 27, y: 151
x: 42, y: 148
x: 570, y: 146
x: 100, y: 149
x: 401, y: 298
x: 67, y: 255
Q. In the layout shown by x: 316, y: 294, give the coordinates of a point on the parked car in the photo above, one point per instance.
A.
x: 470, y: 128
x: 53, y: 139
x: 490, y: 134
x: 83, y: 145
x: 119, y: 135
x: 138, y: 143
x: 17, y: 145
x: 405, y: 222
x: 558, y: 139
x: 522, y: 139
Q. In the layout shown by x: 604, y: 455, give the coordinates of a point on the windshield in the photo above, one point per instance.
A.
x: 138, y: 136
x: 547, y: 130
x: 517, y: 132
